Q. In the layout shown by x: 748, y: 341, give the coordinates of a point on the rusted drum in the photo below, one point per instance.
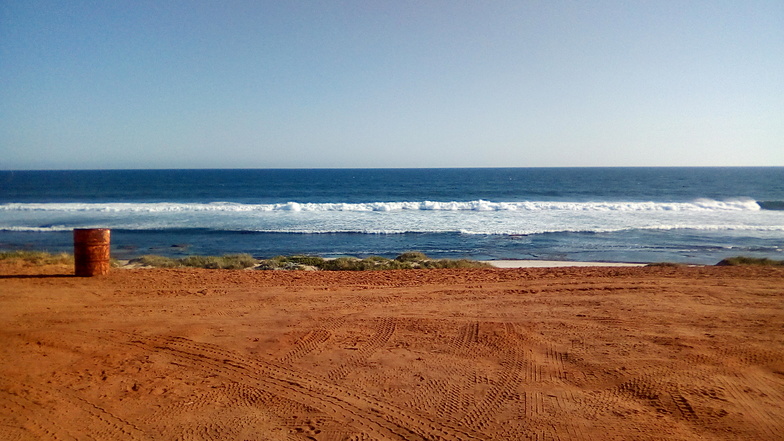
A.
x: 91, y: 251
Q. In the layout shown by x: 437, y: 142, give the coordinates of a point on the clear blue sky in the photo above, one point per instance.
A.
x: 238, y: 84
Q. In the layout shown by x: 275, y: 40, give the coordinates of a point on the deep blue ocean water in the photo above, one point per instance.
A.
x: 693, y: 215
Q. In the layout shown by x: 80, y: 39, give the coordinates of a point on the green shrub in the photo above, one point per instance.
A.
x: 307, y: 260
x: 344, y: 264
x: 277, y: 260
x: 411, y: 260
x: 378, y: 259
x: 299, y: 262
x: 156, y: 261
x: 272, y: 264
x: 368, y: 264
x: 744, y: 260
x: 37, y: 257
x: 199, y: 262
x: 239, y: 261
x: 449, y: 263
x: 395, y: 265
x: 411, y: 256
x: 229, y: 261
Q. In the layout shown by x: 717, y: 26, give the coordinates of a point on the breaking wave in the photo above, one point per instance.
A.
x: 478, y: 205
x: 47, y: 229
x: 482, y: 232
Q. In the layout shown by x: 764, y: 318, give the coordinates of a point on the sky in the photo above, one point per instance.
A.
x: 311, y: 84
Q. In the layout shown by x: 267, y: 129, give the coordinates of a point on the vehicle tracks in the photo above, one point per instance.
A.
x: 363, y: 414
x: 33, y: 410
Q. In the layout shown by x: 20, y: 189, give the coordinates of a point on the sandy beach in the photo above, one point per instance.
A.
x: 555, y: 263
x: 577, y: 353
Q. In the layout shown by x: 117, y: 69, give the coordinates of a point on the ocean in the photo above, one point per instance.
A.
x: 687, y: 215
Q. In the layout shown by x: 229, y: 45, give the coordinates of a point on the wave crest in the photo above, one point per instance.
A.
x: 472, y: 232
x: 478, y: 205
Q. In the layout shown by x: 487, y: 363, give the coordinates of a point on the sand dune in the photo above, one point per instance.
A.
x: 590, y: 353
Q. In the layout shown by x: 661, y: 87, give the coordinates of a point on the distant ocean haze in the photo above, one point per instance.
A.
x: 697, y: 215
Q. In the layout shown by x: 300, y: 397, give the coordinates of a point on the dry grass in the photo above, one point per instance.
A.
x: 229, y: 261
x: 410, y: 260
x: 37, y: 258
x: 744, y: 260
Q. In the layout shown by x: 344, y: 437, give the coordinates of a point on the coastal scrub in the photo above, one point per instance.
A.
x: 37, y: 257
x: 744, y: 260
x: 229, y: 261
x: 410, y: 260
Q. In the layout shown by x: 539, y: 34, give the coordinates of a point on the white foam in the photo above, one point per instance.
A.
x: 701, y: 205
x: 487, y: 232
x: 472, y: 217
x: 535, y: 231
x: 47, y: 229
x: 715, y: 227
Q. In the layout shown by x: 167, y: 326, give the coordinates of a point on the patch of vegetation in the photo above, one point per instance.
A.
x: 289, y: 263
x: 156, y: 261
x: 346, y: 264
x: 744, y: 260
x: 229, y: 261
x: 319, y: 263
x: 412, y: 256
x: 367, y: 264
x: 306, y: 262
x: 410, y: 260
x: 37, y: 257
x: 449, y: 263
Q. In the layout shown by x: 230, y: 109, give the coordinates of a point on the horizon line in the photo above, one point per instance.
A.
x: 390, y: 168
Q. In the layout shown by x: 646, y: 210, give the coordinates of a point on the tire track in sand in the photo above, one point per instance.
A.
x: 770, y: 426
x: 447, y: 397
x: 312, y: 341
x: 16, y: 422
x: 537, y: 389
x: 359, y: 413
x: 385, y: 327
x: 455, y: 399
x: 33, y: 412
x: 504, y: 388
x: 307, y: 344
x: 251, y: 411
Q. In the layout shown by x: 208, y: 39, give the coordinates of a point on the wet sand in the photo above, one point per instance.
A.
x: 582, y: 353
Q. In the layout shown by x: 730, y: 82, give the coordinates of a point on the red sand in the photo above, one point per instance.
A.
x: 538, y: 354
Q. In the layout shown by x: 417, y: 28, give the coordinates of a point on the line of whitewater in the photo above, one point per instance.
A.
x: 527, y: 232
x: 477, y: 205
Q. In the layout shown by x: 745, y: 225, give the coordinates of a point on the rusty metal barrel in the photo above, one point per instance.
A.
x: 91, y: 251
